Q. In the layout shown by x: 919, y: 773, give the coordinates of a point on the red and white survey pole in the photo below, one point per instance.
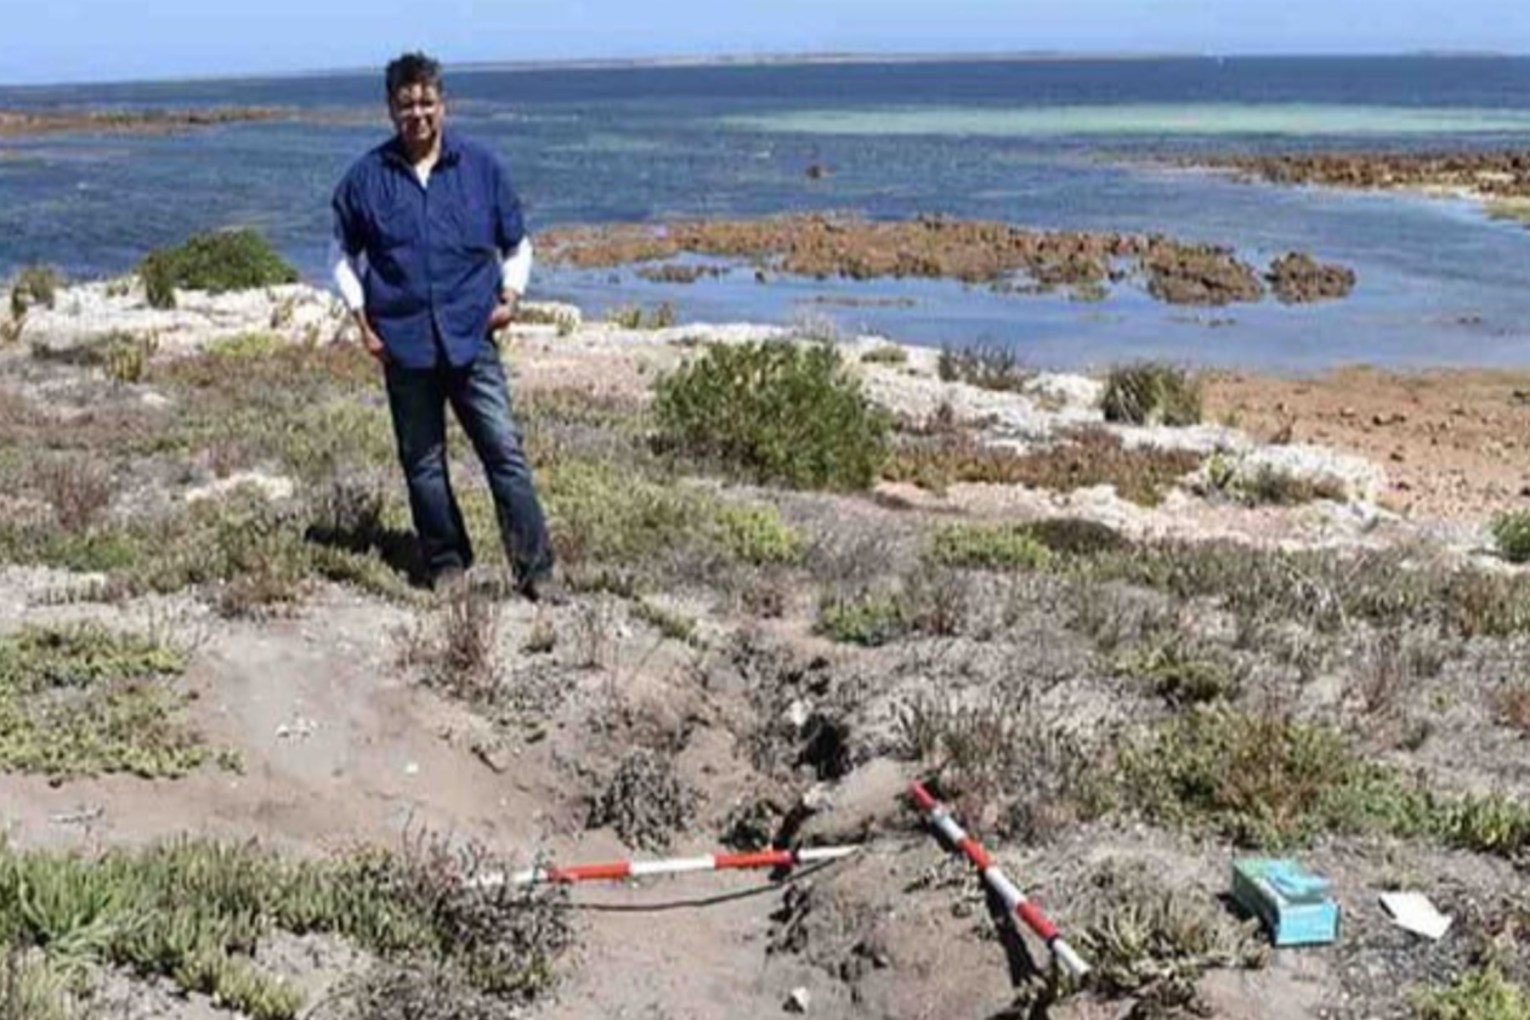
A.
x: 1014, y: 900
x: 618, y: 870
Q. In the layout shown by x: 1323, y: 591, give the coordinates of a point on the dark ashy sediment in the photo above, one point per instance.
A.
x: 1298, y: 278
x: 998, y: 255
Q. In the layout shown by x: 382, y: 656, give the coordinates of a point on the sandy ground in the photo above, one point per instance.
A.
x: 1455, y: 443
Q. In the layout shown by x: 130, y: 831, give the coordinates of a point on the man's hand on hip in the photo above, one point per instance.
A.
x: 504, y: 312
x: 370, y: 341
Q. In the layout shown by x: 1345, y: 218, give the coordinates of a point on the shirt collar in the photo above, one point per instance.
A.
x: 451, y: 150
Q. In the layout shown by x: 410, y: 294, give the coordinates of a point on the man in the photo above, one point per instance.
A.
x: 431, y: 257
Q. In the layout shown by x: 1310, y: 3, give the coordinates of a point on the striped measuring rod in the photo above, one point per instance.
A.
x: 1014, y: 900
x: 618, y: 870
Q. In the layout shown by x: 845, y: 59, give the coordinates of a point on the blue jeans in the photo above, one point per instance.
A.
x: 480, y: 399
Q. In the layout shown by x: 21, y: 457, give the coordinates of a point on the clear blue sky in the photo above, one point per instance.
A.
x: 95, y: 40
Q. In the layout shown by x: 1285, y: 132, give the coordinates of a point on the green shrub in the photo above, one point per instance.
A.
x: 602, y: 512
x: 1151, y: 394
x: 637, y: 317
x: 127, y: 357
x: 1077, y: 536
x: 250, y: 548
x: 1484, y: 823
x: 1145, y: 936
x: 1512, y: 533
x: 1086, y: 457
x: 31, y: 988
x: 564, y: 319
x: 1265, y: 780
x: 989, y: 368
x: 1325, y: 589
x: 989, y: 547
x: 777, y: 412
x: 886, y: 354
x: 35, y: 285
x: 1180, y: 670
x: 868, y: 620
x: 42, y: 658
x: 218, y: 261
x: 1268, y: 781
x: 87, y: 552
x: 1275, y: 486
x: 756, y: 534
x: 1483, y: 994
x: 673, y: 625
x: 79, y: 701
x: 245, y: 346
x: 197, y: 913
x: 1002, y: 758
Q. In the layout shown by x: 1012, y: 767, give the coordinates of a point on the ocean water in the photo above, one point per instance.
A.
x: 1051, y: 144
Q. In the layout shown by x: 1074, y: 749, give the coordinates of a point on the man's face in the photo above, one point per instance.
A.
x: 418, y: 112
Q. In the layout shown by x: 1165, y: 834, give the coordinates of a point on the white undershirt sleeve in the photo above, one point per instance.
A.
x: 347, y: 272
x: 516, y: 271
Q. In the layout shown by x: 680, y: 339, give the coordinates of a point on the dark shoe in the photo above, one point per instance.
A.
x: 448, y: 580
x: 544, y: 591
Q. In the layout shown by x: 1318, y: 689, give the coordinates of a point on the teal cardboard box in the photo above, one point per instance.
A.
x: 1293, y: 903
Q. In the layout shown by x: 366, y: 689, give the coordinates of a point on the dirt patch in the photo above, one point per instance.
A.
x: 1453, y: 442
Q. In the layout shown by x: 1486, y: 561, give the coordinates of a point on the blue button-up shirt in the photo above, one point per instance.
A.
x: 433, y: 251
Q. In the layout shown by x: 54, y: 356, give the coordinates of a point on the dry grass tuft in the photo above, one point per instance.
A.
x: 1085, y: 458
x: 457, y: 649
x: 645, y: 801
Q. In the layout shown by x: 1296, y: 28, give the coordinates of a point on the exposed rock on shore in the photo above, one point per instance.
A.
x: 1496, y: 174
x: 16, y: 123
x: 1199, y: 275
x: 1001, y: 256
x: 1298, y: 278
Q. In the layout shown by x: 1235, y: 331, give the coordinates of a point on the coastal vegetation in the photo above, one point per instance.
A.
x: 777, y: 412
x: 1482, y: 993
x: 987, y: 367
x: 34, y: 285
x: 1512, y: 533
x: 79, y: 701
x: 218, y: 261
x: 758, y: 610
x: 638, y: 317
x: 1151, y: 393
x: 197, y: 912
x: 1081, y: 459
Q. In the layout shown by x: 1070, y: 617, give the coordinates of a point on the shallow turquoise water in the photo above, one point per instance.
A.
x: 1299, y: 120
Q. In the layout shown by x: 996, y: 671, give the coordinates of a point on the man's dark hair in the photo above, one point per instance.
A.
x: 413, y: 69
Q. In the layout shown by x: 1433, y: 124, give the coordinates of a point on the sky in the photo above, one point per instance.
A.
x: 47, y: 41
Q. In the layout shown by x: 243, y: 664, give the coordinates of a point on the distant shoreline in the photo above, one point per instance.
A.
x: 23, y: 124
x: 808, y: 59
